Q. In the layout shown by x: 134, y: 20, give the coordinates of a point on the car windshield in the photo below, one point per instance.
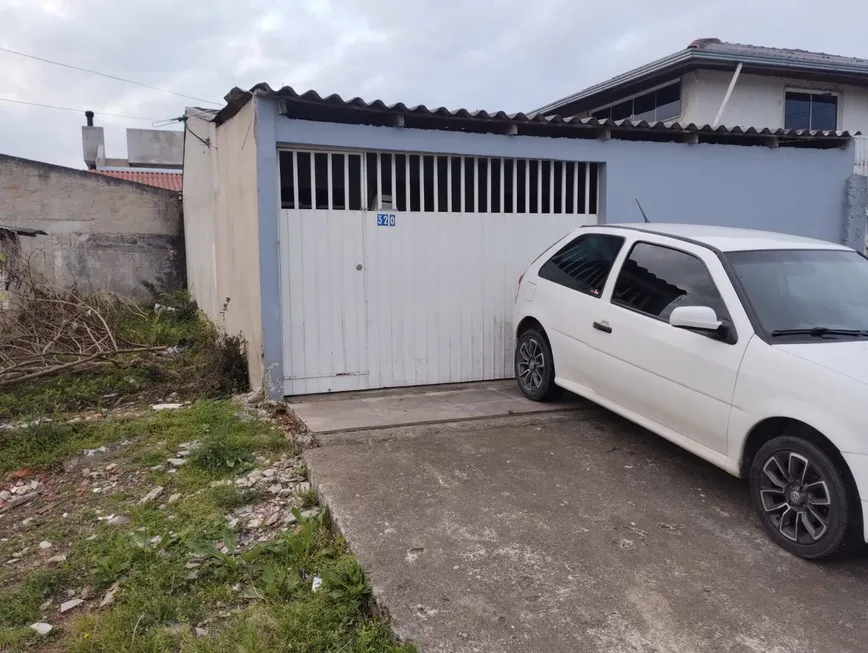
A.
x: 802, y: 290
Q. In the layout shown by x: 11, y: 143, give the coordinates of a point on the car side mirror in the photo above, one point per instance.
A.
x: 699, y: 318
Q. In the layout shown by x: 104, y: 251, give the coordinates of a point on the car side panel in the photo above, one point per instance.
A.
x: 821, y: 398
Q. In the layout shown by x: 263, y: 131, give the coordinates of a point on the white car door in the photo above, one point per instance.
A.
x: 679, y: 379
x: 569, y: 290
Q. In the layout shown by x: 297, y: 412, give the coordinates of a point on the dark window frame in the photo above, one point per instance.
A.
x: 607, y: 111
x: 605, y: 280
x: 811, y: 93
x: 613, y: 300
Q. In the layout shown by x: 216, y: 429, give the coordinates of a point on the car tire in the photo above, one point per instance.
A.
x: 805, y: 502
x: 535, y: 368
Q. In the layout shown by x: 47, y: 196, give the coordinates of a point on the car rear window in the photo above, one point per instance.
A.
x: 584, y: 263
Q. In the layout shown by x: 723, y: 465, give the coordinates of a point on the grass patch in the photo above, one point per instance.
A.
x: 276, y: 608
x: 226, y: 440
x: 259, y: 597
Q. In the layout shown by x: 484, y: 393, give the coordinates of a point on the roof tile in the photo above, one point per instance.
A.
x: 168, y: 180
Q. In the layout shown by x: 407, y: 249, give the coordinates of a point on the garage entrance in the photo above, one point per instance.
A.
x: 399, y: 269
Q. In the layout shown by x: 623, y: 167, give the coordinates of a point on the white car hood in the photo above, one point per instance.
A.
x: 849, y: 358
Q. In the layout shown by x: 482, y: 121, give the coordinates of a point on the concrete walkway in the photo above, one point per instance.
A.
x: 577, y: 533
x: 373, y: 410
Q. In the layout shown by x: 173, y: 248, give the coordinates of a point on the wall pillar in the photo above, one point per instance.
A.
x: 855, y: 212
x: 269, y: 255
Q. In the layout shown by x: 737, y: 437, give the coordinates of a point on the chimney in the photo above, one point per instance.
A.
x: 92, y: 140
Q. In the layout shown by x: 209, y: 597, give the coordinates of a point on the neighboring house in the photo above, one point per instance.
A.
x: 155, y: 157
x: 716, y: 83
x: 365, y: 245
x: 91, y: 231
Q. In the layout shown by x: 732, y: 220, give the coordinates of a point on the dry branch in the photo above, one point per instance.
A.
x: 49, y: 330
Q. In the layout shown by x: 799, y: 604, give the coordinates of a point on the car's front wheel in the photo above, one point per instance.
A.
x: 534, y: 367
x: 802, y: 497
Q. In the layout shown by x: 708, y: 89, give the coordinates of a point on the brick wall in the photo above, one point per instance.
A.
x: 103, y: 233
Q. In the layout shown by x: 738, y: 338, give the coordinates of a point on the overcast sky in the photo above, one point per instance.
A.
x: 500, y: 54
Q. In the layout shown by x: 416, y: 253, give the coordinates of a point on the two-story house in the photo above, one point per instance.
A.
x: 716, y: 83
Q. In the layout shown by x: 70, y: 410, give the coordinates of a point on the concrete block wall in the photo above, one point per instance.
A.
x: 103, y: 233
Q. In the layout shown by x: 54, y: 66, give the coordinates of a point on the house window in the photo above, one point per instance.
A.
x: 814, y: 111
x: 654, y: 106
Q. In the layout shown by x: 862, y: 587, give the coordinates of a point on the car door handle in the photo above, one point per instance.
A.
x: 602, y: 326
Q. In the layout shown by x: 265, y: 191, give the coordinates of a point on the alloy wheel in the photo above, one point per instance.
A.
x: 531, y: 364
x: 795, y: 497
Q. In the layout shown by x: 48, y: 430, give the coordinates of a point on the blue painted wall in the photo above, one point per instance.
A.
x: 797, y: 191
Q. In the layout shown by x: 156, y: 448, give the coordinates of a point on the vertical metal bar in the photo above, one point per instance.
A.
x: 422, y: 183
x: 515, y: 186
x: 407, y: 182
x: 329, y: 180
x: 461, y: 207
x: 587, y: 188
x: 436, y: 184
x: 476, y: 184
x: 563, y: 187
x: 313, y: 180
x: 449, y: 184
x: 488, y: 185
x: 539, y: 188
x: 502, y: 191
x: 347, y: 182
x: 295, y: 180
x: 363, y: 181
x: 551, y: 186
x: 575, y: 186
x: 394, y: 185
x: 379, y: 156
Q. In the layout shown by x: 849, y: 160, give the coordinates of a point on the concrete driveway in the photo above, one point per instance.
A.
x: 576, y: 532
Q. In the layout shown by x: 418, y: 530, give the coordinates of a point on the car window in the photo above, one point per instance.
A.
x: 656, y: 279
x: 584, y: 263
x: 803, y: 289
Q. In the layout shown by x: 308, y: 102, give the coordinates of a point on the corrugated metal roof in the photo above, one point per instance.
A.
x: 714, y: 53
x: 310, y: 105
x: 168, y: 180
x: 293, y: 103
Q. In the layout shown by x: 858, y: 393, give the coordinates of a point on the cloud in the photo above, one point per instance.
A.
x: 503, y: 54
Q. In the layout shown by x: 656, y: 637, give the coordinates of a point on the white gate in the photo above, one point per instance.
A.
x: 401, y: 269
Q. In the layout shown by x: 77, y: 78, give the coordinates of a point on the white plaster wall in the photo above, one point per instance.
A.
x: 758, y: 101
x: 222, y: 228
x: 200, y: 218
x: 237, y: 246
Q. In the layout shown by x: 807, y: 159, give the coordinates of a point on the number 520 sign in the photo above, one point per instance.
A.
x: 385, y: 219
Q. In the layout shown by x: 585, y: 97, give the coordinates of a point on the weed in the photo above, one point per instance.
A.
x: 346, y: 582
x: 229, y: 497
x: 308, y: 498
x: 222, y: 452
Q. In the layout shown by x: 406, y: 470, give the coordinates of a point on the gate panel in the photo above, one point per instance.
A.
x: 441, y: 289
x: 323, y: 292
x: 400, y: 269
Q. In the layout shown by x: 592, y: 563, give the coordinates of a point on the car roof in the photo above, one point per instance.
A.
x: 729, y: 239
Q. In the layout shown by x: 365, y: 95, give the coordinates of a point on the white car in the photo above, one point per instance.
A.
x: 747, y: 348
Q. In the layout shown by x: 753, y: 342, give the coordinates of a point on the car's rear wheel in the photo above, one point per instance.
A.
x: 534, y: 367
x: 803, y: 499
